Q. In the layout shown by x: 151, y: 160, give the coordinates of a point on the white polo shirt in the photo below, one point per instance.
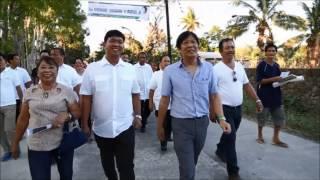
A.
x: 111, y: 87
x: 68, y: 76
x: 23, y: 77
x: 156, y: 85
x: 231, y: 92
x: 8, y: 83
x: 144, y: 74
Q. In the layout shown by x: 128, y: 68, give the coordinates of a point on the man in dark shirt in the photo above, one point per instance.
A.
x: 268, y: 71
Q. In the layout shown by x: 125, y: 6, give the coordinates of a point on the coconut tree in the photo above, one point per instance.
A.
x: 189, y: 21
x: 311, y: 36
x: 263, y: 15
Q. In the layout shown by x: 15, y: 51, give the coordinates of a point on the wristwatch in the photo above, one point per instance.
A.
x: 138, y: 116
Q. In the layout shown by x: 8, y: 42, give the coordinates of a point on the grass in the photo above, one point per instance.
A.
x: 301, y: 121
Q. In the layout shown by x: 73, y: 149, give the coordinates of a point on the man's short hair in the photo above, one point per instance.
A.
x: 113, y: 33
x: 184, y: 36
x: 223, y: 41
x: 61, y: 51
x: 142, y: 53
x: 269, y: 45
x: 11, y: 56
x: 44, y: 51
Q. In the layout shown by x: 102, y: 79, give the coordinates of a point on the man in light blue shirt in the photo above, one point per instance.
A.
x: 191, y: 87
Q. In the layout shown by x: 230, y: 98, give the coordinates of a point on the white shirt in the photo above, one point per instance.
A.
x: 23, y: 77
x: 156, y: 85
x: 68, y: 76
x: 231, y: 92
x: 8, y: 83
x: 111, y: 87
x: 144, y: 74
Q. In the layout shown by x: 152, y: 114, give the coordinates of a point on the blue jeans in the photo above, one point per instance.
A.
x: 227, y: 144
x: 40, y: 164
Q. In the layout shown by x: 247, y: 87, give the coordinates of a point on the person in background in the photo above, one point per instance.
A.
x: 79, y: 67
x: 23, y: 76
x: 268, y: 71
x: 154, y: 66
x: 191, y: 87
x: 154, y: 99
x: 66, y: 74
x: 47, y: 103
x: 9, y: 85
x: 231, y: 80
x: 110, y: 91
x: 144, y: 74
x: 125, y: 57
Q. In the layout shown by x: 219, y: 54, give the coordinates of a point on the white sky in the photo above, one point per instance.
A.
x: 208, y: 13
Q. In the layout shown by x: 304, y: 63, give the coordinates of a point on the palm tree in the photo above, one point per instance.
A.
x: 263, y: 16
x: 313, y: 36
x: 189, y: 21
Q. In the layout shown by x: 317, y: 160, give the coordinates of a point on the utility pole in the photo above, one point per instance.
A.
x: 168, y: 30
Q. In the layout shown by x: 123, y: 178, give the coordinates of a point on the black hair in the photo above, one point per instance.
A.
x: 61, y: 51
x: 184, y: 36
x: 44, y: 51
x: 142, y: 52
x: 223, y: 41
x: 10, y: 56
x: 49, y: 60
x: 113, y: 33
x: 269, y: 45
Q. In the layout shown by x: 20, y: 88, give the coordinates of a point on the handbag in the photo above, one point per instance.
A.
x: 73, y: 137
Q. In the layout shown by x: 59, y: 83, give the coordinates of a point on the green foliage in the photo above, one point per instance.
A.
x: 30, y: 26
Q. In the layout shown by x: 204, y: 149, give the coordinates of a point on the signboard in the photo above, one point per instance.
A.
x: 138, y: 12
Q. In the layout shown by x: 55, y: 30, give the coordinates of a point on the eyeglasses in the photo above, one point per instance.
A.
x: 234, y: 76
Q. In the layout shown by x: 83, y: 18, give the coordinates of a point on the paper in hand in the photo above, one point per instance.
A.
x: 284, y: 74
x: 31, y: 131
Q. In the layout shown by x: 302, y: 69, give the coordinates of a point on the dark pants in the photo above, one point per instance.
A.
x: 145, y: 111
x: 40, y: 164
x: 189, y: 136
x: 167, y: 127
x: 120, y: 148
x: 18, y: 103
x: 227, y: 144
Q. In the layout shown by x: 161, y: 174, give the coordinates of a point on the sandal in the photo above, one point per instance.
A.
x: 280, y: 144
x: 260, y: 141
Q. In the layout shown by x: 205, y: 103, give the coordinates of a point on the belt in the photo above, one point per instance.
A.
x: 197, y: 117
x: 231, y: 107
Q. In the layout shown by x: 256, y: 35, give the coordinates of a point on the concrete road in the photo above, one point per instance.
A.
x: 257, y: 161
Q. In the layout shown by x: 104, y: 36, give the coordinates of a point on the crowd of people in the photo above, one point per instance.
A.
x: 111, y: 98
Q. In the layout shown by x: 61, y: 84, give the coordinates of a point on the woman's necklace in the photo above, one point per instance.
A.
x: 45, y: 93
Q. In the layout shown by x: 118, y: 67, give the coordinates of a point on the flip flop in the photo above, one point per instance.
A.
x: 280, y: 144
x: 260, y: 141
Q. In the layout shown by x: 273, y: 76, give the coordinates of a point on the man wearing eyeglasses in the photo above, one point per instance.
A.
x: 231, y: 80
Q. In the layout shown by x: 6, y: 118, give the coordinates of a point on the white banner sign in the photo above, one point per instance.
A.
x: 138, y: 12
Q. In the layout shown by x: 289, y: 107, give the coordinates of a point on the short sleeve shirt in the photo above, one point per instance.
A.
x: 43, y: 110
x: 271, y: 97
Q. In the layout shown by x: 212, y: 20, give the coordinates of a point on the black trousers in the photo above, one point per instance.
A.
x: 145, y: 111
x: 167, y: 126
x: 18, y: 101
x: 121, y: 149
x: 227, y: 144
